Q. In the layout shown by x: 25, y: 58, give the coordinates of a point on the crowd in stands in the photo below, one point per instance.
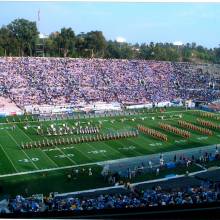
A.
x: 37, y: 81
x: 132, y: 198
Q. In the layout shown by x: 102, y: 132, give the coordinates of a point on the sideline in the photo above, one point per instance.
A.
x: 112, y: 162
x: 134, y: 184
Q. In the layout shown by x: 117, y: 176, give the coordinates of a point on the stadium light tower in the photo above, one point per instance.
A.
x: 40, y: 46
x: 178, y: 44
x: 120, y: 40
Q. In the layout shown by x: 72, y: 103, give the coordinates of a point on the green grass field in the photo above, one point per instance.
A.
x: 59, y: 159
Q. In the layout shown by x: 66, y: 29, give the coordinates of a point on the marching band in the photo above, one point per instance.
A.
x: 77, y: 140
x: 152, y: 132
x: 180, y: 132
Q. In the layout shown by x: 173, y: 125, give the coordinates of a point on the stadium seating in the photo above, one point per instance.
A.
x: 37, y: 81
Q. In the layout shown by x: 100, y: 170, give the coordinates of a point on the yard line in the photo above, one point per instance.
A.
x: 117, y: 151
x: 41, y: 150
x: 123, y: 145
x: 134, y: 143
x: 96, y: 150
x: 23, y: 151
x: 113, y: 149
x: 199, y: 165
x: 8, y: 157
x: 102, y: 163
x: 62, y: 152
x: 49, y: 169
x: 90, y: 147
x: 90, y: 158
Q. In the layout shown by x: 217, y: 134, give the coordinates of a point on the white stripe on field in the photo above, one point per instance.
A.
x: 8, y: 158
x: 62, y: 152
x: 133, y: 184
x: 41, y: 151
x: 22, y: 150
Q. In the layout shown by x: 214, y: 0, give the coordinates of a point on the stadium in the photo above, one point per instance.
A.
x: 96, y: 133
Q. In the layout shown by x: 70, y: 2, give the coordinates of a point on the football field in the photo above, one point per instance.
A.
x: 15, y: 130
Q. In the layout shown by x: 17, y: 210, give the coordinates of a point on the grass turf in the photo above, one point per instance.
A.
x: 15, y: 160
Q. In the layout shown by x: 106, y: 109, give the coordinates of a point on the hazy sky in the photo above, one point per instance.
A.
x: 136, y: 22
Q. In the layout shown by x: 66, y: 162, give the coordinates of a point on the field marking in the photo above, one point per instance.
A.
x: 64, y: 148
x: 49, y: 149
x: 177, y: 176
x: 119, y: 142
x: 84, y: 154
x: 113, y: 149
x: 49, y: 169
x: 156, y: 144
x: 7, y: 128
x: 142, y: 137
x: 127, y: 148
x: 61, y: 156
x: 70, y: 123
x: 74, y: 162
x: 75, y: 147
x: 131, y: 141
x: 180, y: 141
x: 202, y: 138
x: 22, y: 150
x: 8, y: 157
x: 169, y: 119
x: 199, y: 165
x: 141, y: 146
x: 42, y: 151
x: 99, y: 163
x: 96, y: 149
x: 137, y: 152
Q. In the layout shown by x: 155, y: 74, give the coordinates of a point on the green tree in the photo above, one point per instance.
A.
x: 95, y: 41
x: 80, y: 44
x: 5, y: 41
x: 112, y: 50
x: 25, y: 33
x: 67, y: 41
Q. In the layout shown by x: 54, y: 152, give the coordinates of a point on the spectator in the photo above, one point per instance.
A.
x: 133, y: 198
x: 53, y: 81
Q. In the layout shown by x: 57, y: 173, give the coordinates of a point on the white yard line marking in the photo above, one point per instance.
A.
x: 84, y: 154
x: 199, y: 165
x: 50, y: 169
x: 132, y: 184
x: 22, y: 150
x: 96, y: 149
x: 99, y: 163
x: 111, y: 148
x: 137, y: 152
x: 63, y: 153
x: 41, y: 151
x: 8, y: 158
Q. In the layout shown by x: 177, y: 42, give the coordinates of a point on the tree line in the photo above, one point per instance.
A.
x: 21, y: 38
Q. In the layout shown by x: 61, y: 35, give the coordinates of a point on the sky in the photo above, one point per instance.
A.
x: 134, y: 22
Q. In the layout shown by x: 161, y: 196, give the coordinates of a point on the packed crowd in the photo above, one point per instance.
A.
x: 132, y: 198
x: 36, y: 81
